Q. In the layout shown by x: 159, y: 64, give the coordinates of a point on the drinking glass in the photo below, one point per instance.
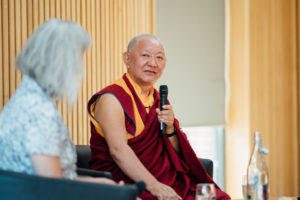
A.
x: 244, y: 187
x: 205, y: 191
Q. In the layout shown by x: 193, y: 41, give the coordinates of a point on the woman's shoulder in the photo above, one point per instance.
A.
x: 29, y: 105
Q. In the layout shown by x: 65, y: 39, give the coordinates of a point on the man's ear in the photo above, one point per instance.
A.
x: 126, y: 58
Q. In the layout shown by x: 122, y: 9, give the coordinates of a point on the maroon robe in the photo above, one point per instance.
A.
x: 181, y: 172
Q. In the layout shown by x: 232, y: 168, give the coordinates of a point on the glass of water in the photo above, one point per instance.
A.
x: 205, y: 191
x: 244, y: 187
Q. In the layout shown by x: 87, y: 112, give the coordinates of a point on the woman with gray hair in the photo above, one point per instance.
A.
x: 33, y: 136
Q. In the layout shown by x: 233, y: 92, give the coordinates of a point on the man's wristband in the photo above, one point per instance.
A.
x: 171, y: 134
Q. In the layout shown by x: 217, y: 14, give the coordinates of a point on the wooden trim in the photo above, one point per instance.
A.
x: 298, y: 83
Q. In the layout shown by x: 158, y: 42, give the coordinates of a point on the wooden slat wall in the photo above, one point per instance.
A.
x: 111, y: 23
x: 298, y: 89
x: 273, y: 91
x: 237, y: 148
x: 265, y: 34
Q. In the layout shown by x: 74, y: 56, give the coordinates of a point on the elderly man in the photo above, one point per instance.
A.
x: 125, y: 130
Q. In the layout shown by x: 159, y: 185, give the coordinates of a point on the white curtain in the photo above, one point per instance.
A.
x: 193, y: 33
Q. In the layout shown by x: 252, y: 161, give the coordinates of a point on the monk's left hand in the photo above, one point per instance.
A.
x: 166, y: 116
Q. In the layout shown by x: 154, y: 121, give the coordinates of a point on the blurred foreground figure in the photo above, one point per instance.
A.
x: 33, y: 136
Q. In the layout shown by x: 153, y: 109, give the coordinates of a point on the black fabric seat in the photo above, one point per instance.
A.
x: 16, y: 186
x: 84, y: 152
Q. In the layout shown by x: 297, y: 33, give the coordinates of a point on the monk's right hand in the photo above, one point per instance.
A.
x: 163, y: 192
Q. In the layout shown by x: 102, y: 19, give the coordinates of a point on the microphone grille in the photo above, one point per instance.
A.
x: 163, y: 89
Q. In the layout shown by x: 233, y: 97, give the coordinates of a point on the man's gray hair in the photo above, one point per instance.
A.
x: 136, y: 38
x: 53, y: 57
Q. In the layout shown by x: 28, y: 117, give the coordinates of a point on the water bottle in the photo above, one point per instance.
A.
x: 257, y: 172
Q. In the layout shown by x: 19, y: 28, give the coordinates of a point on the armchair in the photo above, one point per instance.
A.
x: 84, y: 152
x: 15, y: 186
x: 83, y: 168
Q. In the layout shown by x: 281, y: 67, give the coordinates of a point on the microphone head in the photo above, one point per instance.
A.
x: 163, y: 89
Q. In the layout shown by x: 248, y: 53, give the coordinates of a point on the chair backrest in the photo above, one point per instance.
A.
x: 83, y: 156
x: 15, y: 186
x: 208, y: 165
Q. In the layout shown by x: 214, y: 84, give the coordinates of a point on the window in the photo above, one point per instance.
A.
x: 208, y: 142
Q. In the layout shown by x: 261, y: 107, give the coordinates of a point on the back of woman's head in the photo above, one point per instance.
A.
x: 53, y: 57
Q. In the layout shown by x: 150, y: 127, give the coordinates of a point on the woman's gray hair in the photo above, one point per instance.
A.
x: 53, y: 56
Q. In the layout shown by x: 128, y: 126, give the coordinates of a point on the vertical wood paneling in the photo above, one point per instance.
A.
x: 36, y: 12
x: 41, y: 14
x: 298, y: 89
x: 97, y: 40
x: 111, y: 23
x: 12, y: 33
x: 93, y: 47
x: 18, y: 40
x: 74, y: 113
x: 152, y: 17
x: 84, y: 91
x: 57, y: 8
x: 271, y: 89
x: 103, y: 42
x: 111, y: 40
x: 1, y: 60
x: 79, y: 99
x: 237, y: 126
x: 89, y: 62
x: 24, y: 23
x: 5, y: 40
x: 47, y: 9
x: 24, y: 31
x: 29, y: 17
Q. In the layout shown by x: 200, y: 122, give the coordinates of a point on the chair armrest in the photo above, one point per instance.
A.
x: 93, y: 173
x: 15, y: 186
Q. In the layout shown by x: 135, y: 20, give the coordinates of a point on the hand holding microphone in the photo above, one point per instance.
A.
x: 165, y: 113
x: 163, y: 91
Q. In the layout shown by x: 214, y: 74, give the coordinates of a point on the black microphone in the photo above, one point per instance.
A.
x: 163, y: 91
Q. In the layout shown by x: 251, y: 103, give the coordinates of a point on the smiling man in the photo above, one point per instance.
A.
x: 125, y: 131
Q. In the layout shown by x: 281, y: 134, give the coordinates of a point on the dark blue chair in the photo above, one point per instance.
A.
x: 84, y: 152
x: 19, y: 186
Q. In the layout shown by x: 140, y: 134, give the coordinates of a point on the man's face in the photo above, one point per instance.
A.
x: 146, y: 61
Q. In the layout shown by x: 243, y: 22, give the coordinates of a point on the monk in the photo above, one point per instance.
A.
x: 125, y: 130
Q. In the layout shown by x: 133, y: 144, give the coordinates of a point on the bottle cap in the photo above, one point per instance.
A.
x: 257, y: 137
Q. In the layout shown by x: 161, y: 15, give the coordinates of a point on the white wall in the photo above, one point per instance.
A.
x: 193, y: 35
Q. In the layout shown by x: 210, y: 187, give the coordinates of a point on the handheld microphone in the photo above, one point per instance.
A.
x: 163, y: 91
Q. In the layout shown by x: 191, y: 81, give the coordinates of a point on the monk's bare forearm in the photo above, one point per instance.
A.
x: 127, y: 160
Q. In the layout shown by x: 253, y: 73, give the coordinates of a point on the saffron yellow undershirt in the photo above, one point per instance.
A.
x: 146, y: 100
